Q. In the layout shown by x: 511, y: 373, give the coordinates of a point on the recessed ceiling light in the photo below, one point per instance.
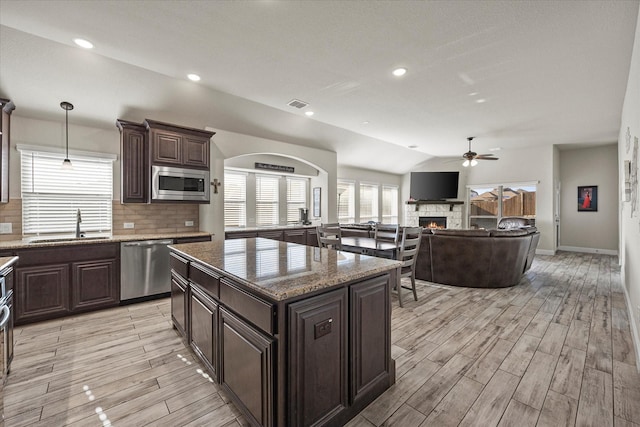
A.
x: 481, y: 100
x: 193, y: 77
x: 366, y: 122
x: 309, y: 113
x: 473, y: 93
x: 413, y: 146
x: 399, y: 72
x: 495, y: 149
x: 83, y: 43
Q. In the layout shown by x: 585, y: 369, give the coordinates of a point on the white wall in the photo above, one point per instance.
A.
x: 589, y: 231
x: 525, y: 165
x: 30, y: 131
x: 630, y: 224
x: 372, y: 177
x: 227, y: 145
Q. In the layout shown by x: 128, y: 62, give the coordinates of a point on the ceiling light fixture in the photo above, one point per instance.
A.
x: 481, y: 101
x: 193, y: 77
x: 309, y: 113
x: 83, y: 43
x: 466, y: 163
x: 366, y: 122
x: 399, y: 72
x: 66, y: 106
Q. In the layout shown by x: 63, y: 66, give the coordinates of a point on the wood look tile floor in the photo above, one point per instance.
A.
x: 556, y: 350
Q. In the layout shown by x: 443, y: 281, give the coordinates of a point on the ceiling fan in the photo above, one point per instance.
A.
x: 471, y: 157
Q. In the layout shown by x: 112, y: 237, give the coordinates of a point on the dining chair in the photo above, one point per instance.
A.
x: 387, y: 233
x: 329, y: 236
x: 408, y: 254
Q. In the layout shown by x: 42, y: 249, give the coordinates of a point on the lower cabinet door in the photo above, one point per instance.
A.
x: 179, y: 305
x: 370, y: 336
x: 42, y: 292
x: 246, y: 368
x: 94, y: 284
x: 203, y: 325
x: 318, y: 358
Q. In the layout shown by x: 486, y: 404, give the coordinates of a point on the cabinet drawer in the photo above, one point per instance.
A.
x: 207, y: 280
x: 260, y: 313
x: 179, y: 265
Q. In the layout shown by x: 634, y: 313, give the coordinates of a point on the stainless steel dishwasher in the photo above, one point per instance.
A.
x: 144, y: 268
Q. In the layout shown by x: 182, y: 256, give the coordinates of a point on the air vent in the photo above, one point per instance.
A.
x: 296, y: 103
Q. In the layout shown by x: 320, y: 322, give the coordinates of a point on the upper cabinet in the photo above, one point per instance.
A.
x: 151, y: 143
x: 173, y: 145
x: 5, y: 125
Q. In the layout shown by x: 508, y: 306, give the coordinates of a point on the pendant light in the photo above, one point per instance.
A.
x: 66, y: 106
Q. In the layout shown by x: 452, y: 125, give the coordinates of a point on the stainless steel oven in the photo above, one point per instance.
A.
x: 180, y: 184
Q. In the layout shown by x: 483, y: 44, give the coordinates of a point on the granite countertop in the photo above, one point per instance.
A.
x: 7, y: 261
x: 92, y: 239
x: 281, y: 270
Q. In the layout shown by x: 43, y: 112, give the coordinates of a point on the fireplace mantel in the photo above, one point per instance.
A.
x: 451, y: 203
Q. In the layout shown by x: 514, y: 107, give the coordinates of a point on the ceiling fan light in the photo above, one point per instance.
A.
x: 474, y: 162
x: 66, y: 164
x: 465, y: 163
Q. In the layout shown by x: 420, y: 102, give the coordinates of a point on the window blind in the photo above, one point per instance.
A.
x: 296, y: 197
x: 389, y: 204
x: 235, y: 199
x: 51, y: 196
x: 346, y: 202
x: 267, y: 200
x: 368, y: 202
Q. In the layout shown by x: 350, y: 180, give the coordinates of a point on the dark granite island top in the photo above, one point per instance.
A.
x: 296, y: 335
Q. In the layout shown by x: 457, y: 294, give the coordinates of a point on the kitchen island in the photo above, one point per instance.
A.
x: 296, y: 335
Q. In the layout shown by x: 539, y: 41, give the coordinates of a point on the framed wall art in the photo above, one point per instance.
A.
x: 316, y: 202
x: 588, y: 198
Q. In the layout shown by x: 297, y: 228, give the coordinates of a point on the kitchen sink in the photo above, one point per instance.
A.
x: 68, y: 239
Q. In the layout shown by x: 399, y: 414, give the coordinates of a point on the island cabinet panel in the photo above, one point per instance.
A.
x: 255, y: 310
x: 204, y: 328
x: 318, y: 358
x: 94, y: 284
x: 296, y: 235
x: 370, y: 335
x: 312, y: 237
x: 207, y: 280
x: 179, y: 301
x: 41, y: 292
x: 247, y: 368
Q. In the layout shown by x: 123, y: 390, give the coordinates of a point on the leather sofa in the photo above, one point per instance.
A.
x: 476, y: 258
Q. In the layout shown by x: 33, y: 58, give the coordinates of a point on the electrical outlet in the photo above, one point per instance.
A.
x: 129, y: 225
x: 6, y: 228
x: 188, y: 223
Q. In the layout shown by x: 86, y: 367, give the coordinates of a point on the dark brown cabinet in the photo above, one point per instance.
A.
x: 296, y: 235
x: 318, y: 358
x: 370, y: 334
x: 52, y: 283
x: 240, y: 234
x: 246, y: 367
x: 173, y: 145
x: 94, y: 285
x: 204, y: 328
x: 134, y: 180
x: 5, y: 147
x: 272, y: 234
x: 193, y: 239
x: 312, y: 237
x: 41, y: 292
x: 179, y: 302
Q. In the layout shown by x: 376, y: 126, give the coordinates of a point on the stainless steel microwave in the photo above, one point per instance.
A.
x: 179, y: 184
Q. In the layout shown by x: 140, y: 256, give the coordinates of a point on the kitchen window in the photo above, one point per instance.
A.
x: 389, y: 204
x: 296, y: 198
x: 267, y: 200
x: 52, y: 196
x: 346, y: 202
x: 235, y: 199
x: 369, y: 202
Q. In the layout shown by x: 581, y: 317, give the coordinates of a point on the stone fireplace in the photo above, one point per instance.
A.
x: 450, y: 212
x: 432, y: 221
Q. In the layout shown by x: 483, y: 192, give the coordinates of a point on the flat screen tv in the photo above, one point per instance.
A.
x: 434, y: 185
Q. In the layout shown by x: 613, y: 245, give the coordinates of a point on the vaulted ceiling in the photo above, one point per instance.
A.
x: 511, y: 73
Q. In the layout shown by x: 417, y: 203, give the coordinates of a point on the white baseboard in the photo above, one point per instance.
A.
x: 588, y: 250
x: 633, y: 324
x: 545, y: 252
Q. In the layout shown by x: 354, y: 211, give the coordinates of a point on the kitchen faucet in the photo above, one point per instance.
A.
x: 78, y: 221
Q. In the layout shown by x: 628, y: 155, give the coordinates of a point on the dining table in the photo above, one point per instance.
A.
x: 369, y: 246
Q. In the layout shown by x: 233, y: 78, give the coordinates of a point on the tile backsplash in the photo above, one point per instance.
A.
x: 147, y: 218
